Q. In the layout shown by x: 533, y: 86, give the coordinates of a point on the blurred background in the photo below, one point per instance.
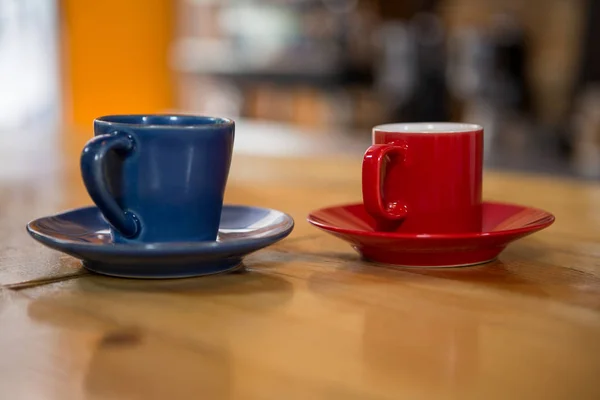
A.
x: 308, y: 76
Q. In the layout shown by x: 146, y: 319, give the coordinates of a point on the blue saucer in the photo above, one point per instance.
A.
x: 84, y: 234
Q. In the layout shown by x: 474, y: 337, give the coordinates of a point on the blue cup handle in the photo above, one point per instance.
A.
x: 93, y: 158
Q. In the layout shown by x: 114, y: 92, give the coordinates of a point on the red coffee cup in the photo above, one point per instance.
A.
x: 424, y: 177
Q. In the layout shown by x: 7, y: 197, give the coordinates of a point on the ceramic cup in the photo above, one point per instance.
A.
x: 159, y: 178
x: 424, y: 177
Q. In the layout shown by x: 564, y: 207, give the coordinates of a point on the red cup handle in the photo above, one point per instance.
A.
x: 373, y: 162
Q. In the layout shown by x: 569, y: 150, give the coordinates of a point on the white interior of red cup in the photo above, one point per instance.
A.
x: 428, y: 127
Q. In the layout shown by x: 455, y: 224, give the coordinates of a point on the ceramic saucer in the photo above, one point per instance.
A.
x: 83, y: 233
x: 502, y: 224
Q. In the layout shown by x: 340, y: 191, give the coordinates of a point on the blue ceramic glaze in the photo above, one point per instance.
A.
x: 84, y: 234
x: 159, y: 178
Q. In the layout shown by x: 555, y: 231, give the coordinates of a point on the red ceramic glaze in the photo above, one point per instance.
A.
x: 424, y: 177
x: 501, y: 224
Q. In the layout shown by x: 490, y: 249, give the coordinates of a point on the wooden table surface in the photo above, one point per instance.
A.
x: 307, y: 319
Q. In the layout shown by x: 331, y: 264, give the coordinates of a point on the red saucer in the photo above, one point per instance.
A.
x: 502, y: 224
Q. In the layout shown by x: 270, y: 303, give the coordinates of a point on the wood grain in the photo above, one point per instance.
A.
x: 307, y: 319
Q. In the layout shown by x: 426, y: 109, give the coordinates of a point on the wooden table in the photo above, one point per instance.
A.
x: 307, y: 319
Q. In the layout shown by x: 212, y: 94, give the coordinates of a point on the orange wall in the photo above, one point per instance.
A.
x: 115, y: 57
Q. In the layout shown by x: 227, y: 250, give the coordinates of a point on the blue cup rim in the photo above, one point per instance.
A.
x: 190, y: 121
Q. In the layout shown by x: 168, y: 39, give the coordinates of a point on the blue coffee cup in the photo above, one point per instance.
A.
x: 159, y: 178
